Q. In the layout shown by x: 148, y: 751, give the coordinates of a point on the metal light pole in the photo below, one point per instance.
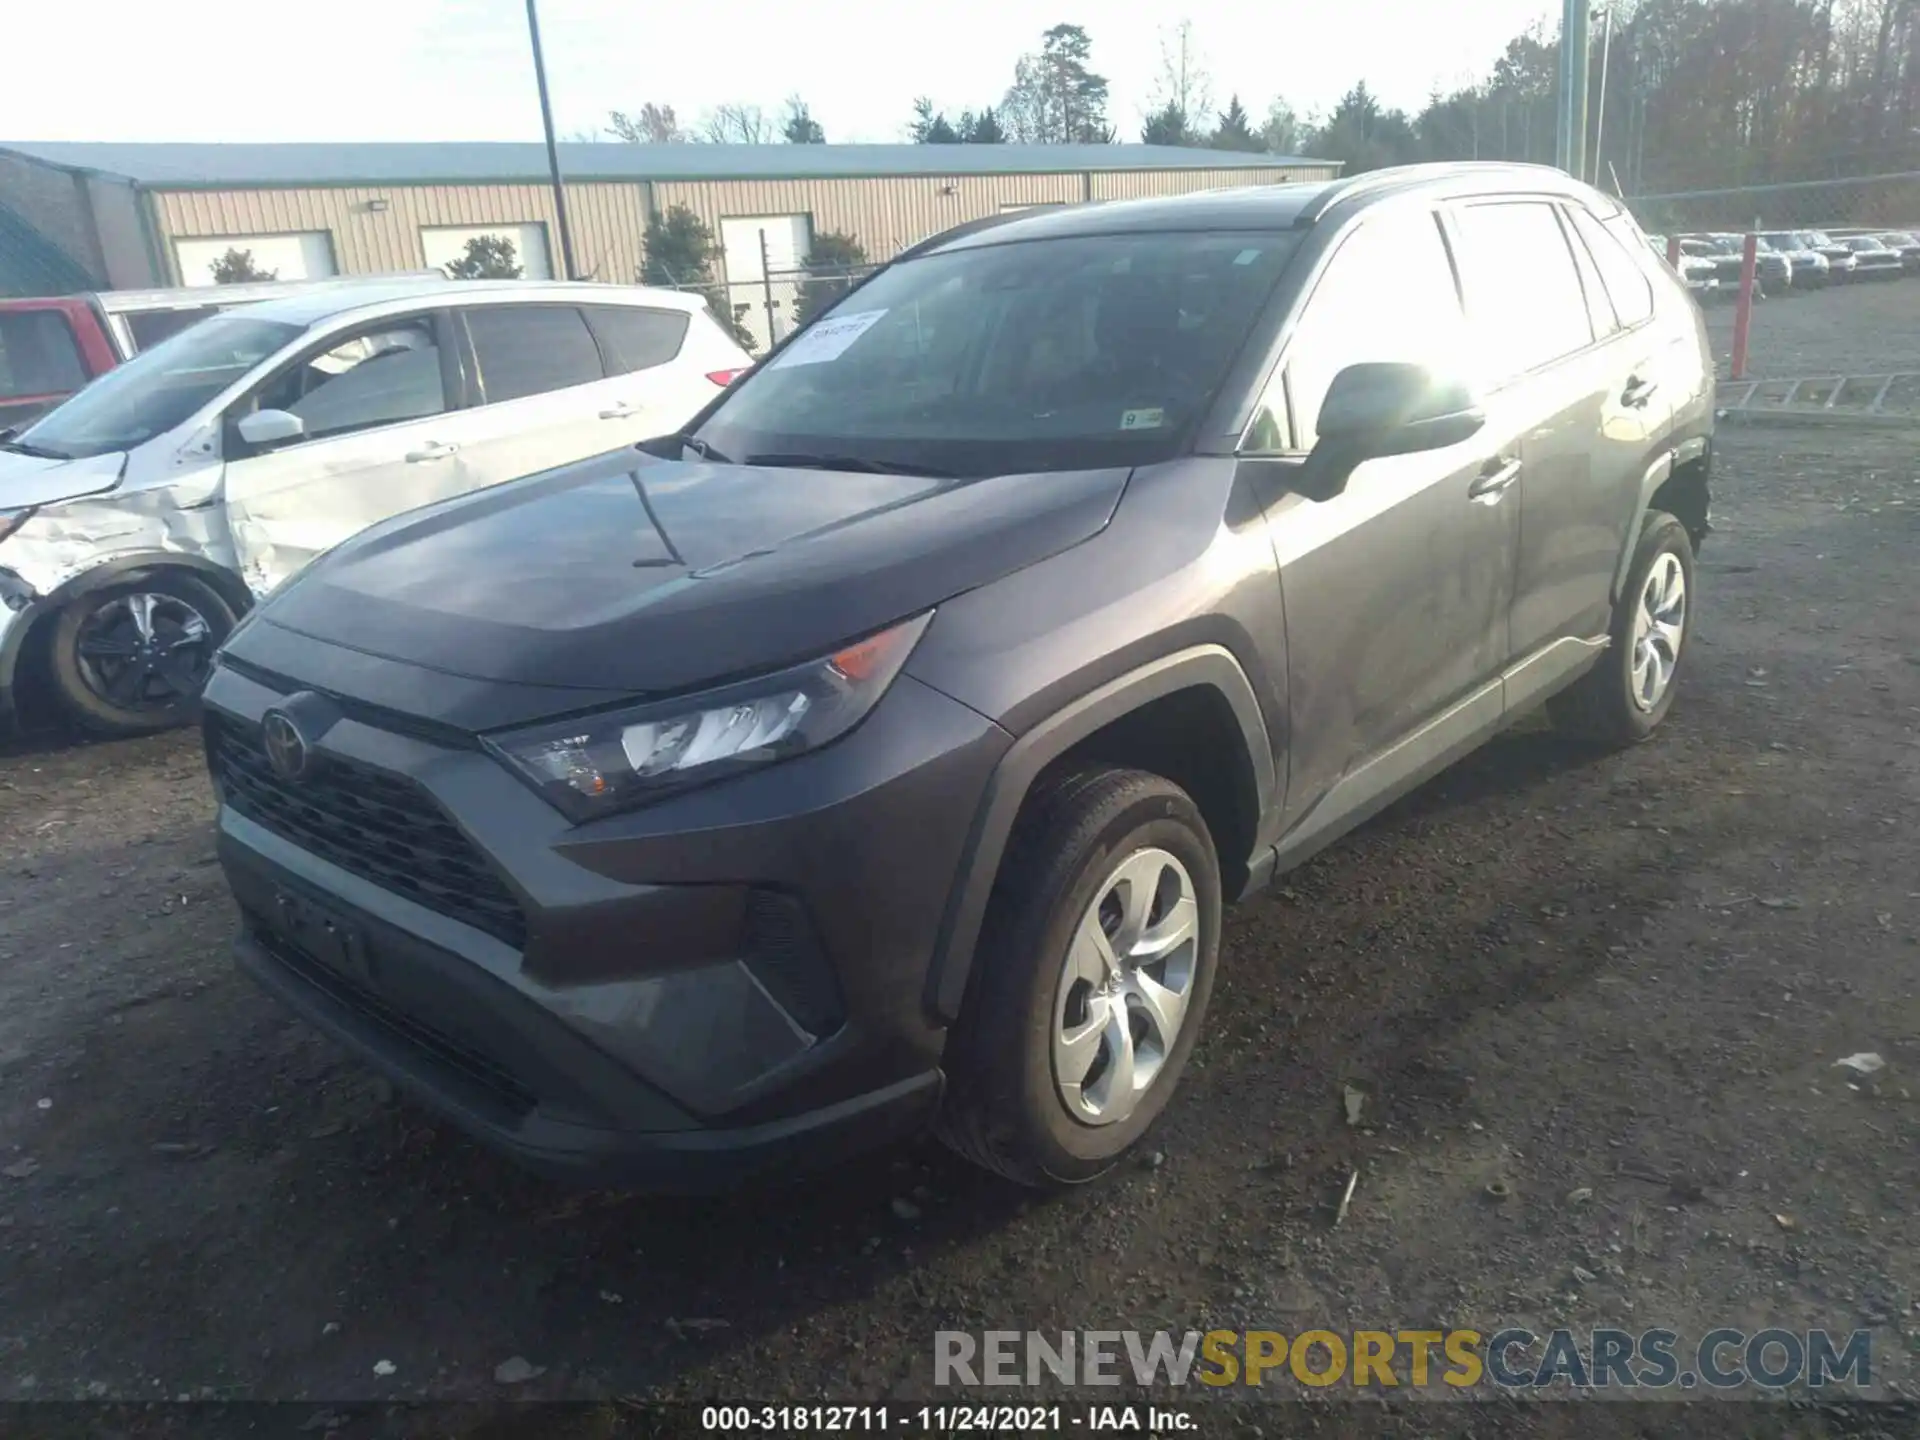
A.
x: 1570, y: 145
x: 1600, y: 117
x: 553, y: 150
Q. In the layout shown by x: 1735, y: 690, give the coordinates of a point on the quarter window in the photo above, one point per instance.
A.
x: 637, y: 339
x: 1388, y: 294
x: 1625, y: 281
x: 527, y: 350
x: 1523, y: 291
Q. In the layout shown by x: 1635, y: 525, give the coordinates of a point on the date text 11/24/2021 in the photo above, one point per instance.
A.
x: 943, y: 1419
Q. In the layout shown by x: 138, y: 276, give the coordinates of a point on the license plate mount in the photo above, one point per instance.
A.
x: 326, y: 936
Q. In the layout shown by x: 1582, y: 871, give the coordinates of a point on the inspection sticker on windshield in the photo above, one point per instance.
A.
x: 828, y: 340
x: 1142, y: 419
x: 1246, y: 257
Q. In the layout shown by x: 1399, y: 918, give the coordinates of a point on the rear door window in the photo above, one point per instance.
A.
x: 633, y: 338
x: 1523, y: 291
x: 524, y: 350
x: 38, y: 354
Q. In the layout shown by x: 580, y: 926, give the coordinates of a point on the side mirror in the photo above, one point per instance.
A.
x: 264, y: 429
x: 1377, y: 409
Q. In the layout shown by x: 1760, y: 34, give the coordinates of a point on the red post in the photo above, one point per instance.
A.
x: 1743, y: 311
x: 1673, y: 251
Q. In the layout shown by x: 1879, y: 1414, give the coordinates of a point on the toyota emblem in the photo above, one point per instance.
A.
x: 287, y: 749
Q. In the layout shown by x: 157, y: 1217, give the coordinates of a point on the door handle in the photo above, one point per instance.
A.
x: 1638, y: 392
x: 432, y: 450
x: 1494, y: 478
x: 619, y: 411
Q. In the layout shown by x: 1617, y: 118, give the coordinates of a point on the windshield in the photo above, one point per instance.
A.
x: 1054, y: 354
x: 157, y: 389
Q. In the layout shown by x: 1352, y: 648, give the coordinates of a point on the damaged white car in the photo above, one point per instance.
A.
x: 142, y: 516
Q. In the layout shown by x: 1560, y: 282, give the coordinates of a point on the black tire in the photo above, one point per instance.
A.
x: 1601, y: 707
x: 1003, y: 1109
x: 106, y: 694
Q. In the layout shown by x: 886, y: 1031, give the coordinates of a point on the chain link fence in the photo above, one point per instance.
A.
x: 1831, y: 322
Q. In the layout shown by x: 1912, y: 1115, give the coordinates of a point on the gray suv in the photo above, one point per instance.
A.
x: 881, y: 750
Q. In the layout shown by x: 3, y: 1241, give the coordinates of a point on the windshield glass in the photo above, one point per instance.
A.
x: 157, y: 389
x: 1053, y: 354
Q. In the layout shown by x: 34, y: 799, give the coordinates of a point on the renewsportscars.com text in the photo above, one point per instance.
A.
x: 1511, y: 1358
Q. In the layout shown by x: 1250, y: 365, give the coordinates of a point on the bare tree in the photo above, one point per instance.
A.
x: 736, y: 124
x: 653, y: 125
x: 1184, y: 86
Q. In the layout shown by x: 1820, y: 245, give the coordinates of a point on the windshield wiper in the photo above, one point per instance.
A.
x: 855, y: 463
x: 39, y: 452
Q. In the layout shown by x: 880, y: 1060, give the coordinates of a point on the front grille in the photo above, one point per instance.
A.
x: 378, y: 826
x: 463, y: 1061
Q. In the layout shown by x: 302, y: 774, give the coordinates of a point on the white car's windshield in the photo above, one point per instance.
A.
x: 1049, y: 354
x: 157, y: 389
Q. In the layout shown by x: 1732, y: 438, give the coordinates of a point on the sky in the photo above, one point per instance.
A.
x: 460, y: 70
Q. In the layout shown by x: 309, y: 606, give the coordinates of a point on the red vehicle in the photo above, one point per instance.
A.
x: 52, y: 345
x: 49, y: 348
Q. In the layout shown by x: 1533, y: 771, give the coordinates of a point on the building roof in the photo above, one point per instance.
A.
x: 168, y: 166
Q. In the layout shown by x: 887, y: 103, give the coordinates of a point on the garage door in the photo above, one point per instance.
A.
x: 302, y: 255
x: 446, y: 244
x: 765, y: 309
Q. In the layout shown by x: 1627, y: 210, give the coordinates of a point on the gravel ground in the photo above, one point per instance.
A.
x: 1867, y: 328
x: 1616, y: 986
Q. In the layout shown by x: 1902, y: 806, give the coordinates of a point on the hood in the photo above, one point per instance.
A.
x: 641, y: 576
x: 27, y: 481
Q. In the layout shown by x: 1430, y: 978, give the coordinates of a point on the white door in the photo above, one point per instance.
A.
x: 763, y: 254
x: 380, y: 438
x: 547, y: 398
x: 659, y: 361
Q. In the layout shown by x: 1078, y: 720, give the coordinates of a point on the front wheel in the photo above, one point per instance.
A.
x: 1623, y: 699
x: 1091, y: 978
x: 132, y: 658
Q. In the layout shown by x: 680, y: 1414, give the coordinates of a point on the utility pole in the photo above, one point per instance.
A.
x: 553, y: 150
x: 1570, y: 139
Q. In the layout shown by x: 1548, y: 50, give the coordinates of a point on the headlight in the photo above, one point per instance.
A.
x: 593, y: 765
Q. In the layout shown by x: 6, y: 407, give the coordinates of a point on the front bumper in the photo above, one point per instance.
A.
x: 730, y: 980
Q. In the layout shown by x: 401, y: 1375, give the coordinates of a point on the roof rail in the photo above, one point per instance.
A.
x: 1399, y: 177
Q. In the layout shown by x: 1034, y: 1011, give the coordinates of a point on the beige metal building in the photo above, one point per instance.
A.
x: 77, y: 216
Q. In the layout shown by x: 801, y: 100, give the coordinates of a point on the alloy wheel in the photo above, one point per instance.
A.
x: 1659, y: 628
x: 1123, y: 991
x: 145, y: 651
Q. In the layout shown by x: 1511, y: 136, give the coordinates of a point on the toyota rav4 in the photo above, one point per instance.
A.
x: 880, y: 750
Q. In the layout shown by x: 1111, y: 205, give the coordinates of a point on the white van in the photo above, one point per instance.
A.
x: 143, y: 515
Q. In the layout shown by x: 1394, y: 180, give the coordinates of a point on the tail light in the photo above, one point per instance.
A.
x: 726, y: 377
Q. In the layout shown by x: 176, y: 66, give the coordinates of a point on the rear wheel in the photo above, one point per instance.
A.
x: 1623, y: 699
x: 1091, y: 980
x: 133, y: 658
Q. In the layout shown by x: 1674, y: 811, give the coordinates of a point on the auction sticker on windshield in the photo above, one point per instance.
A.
x: 1142, y: 419
x: 828, y: 340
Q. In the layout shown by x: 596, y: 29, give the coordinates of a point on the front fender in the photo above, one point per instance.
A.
x: 1202, y: 666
